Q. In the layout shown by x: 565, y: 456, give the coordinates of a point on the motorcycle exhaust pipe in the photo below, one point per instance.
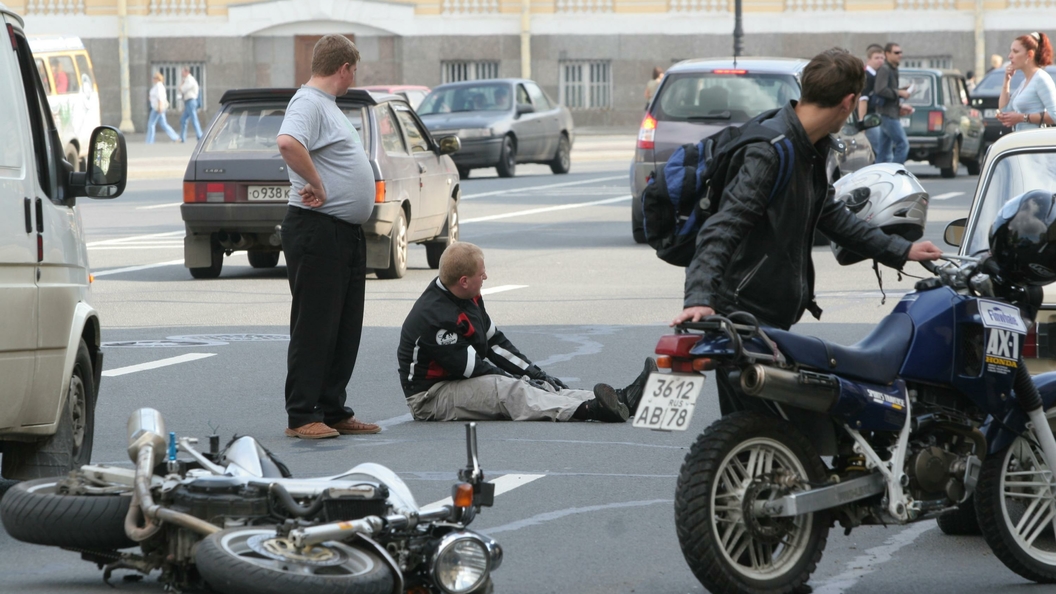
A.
x: 146, y: 427
x: 806, y: 390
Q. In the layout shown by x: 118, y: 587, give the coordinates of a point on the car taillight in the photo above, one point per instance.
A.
x: 11, y: 34
x: 729, y: 71
x: 648, y: 130
x: 379, y: 191
x: 934, y: 121
x: 208, y: 192
x: 1030, y: 344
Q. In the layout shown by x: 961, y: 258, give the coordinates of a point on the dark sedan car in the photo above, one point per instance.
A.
x: 501, y: 123
x: 944, y: 129
x: 986, y: 94
x: 236, y: 188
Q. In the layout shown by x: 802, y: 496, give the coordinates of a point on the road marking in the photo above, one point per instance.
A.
x: 501, y: 288
x: 523, y: 213
x: 135, y: 268
x: 561, y: 185
x: 134, y: 238
x: 156, y: 364
x: 503, y: 484
x: 561, y: 513
x: 153, y: 206
x: 870, y: 561
x: 947, y: 195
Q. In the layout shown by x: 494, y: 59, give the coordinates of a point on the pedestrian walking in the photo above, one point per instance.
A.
x: 874, y: 59
x: 653, y: 84
x: 1033, y: 103
x: 159, y: 104
x: 322, y: 238
x: 189, y: 92
x: 894, y: 146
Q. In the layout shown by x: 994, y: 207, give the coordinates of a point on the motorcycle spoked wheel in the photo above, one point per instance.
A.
x: 727, y: 550
x: 36, y: 512
x: 252, y: 560
x: 1016, y: 508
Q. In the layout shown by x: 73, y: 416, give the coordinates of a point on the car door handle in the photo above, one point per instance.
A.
x: 29, y: 216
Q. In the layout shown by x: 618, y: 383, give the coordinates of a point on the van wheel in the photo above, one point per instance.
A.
x: 259, y: 259
x: 213, y: 270
x: 397, y: 250
x: 73, y: 158
x: 955, y: 161
x: 71, y: 445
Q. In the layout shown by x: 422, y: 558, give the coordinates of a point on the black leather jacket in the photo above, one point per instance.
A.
x: 753, y: 256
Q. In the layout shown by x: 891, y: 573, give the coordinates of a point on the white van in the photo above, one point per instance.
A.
x: 65, y: 69
x: 50, y: 360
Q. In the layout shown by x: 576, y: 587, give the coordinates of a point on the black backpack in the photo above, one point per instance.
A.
x: 674, y: 208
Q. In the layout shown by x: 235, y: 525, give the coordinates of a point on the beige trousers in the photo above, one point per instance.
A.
x: 494, y: 398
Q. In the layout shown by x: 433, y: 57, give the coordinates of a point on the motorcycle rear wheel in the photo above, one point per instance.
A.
x: 36, y: 512
x: 250, y: 560
x: 723, y: 552
x: 1016, y: 509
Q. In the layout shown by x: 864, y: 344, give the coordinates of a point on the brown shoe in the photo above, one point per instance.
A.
x: 312, y: 431
x: 353, y: 426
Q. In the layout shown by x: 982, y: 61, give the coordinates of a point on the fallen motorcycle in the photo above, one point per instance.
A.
x: 236, y: 520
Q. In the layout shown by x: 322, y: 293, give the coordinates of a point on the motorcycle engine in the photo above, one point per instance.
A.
x: 212, y: 498
x: 941, y: 462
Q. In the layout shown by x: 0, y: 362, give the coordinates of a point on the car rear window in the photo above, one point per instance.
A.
x: 715, y: 96
x: 254, y: 128
x: 923, y: 92
x: 485, y: 97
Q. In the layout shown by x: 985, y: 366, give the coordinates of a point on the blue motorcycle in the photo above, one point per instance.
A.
x: 932, y: 409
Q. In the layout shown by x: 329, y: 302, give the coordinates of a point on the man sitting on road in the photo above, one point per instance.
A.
x: 456, y: 365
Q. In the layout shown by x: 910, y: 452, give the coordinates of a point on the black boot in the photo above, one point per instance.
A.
x: 632, y: 394
x: 606, y: 406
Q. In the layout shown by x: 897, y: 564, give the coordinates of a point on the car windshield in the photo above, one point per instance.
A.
x: 992, y: 81
x: 718, y: 97
x: 254, y: 128
x: 923, y: 92
x: 488, y: 97
x: 1012, y: 175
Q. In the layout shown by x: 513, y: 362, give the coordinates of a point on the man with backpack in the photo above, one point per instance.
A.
x: 754, y: 253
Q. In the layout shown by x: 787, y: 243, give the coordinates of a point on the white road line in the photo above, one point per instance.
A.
x: 135, y: 268
x: 503, y: 484
x: 522, y: 213
x: 528, y: 189
x: 153, y: 206
x: 156, y: 364
x: 501, y: 288
x: 947, y: 195
x: 134, y: 238
x: 871, y: 560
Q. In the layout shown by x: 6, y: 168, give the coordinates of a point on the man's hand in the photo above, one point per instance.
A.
x: 903, y: 93
x: 313, y: 196
x: 692, y: 314
x: 923, y: 250
x: 905, y: 109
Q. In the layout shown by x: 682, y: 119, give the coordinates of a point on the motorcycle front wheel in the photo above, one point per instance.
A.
x: 734, y: 464
x: 1016, y: 508
x: 254, y: 560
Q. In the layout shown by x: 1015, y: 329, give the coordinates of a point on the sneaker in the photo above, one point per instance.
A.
x: 353, y: 426
x: 632, y: 394
x: 313, y: 431
x: 606, y: 406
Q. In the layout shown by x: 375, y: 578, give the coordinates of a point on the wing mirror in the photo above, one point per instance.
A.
x: 954, y: 234
x: 523, y: 108
x: 107, y: 166
x: 869, y: 121
x: 450, y: 144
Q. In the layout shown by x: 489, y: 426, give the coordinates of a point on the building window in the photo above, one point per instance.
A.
x: 927, y: 62
x: 173, y: 73
x: 586, y: 85
x: 460, y: 70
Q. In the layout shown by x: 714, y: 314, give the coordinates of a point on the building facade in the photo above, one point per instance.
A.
x: 593, y: 55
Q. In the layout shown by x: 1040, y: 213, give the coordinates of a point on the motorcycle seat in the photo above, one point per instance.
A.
x: 877, y: 358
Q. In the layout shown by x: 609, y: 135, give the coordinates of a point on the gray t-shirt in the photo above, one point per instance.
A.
x: 315, y: 120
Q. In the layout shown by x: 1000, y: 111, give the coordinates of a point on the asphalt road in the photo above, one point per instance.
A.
x: 586, y: 303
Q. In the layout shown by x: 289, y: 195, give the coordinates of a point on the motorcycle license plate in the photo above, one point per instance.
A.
x: 668, y: 401
x: 904, y: 121
x: 268, y: 192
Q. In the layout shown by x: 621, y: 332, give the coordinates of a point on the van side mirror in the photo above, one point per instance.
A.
x: 871, y: 120
x: 523, y: 108
x: 954, y: 234
x: 107, y: 166
x: 450, y: 144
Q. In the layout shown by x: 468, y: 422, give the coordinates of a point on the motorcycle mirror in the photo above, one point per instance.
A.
x: 472, y: 474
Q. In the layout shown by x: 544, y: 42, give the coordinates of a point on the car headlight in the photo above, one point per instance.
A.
x: 474, y: 133
x: 461, y: 563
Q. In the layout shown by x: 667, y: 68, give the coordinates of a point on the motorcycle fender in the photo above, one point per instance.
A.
x: 998, y: 437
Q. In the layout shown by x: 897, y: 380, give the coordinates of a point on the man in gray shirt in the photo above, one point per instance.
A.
x: 894, y: 146
x: 322, y: 239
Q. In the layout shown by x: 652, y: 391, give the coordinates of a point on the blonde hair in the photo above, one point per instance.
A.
x: 159, y: 77
x: 458, y: 260
x: 331, y: 52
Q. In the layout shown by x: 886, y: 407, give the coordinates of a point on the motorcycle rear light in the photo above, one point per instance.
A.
x: 934, y: 121
x: 677, y: 345
x: 663, y: 362
x: 682, y: 366
x: 647, y: 132
x: 703, y: 364
x: 379, y: 191
x: 463, y: 495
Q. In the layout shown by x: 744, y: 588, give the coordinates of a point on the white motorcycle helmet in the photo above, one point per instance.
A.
x: 888, y: 196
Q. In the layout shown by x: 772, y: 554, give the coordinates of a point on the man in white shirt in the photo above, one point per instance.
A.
x: 189, y: 92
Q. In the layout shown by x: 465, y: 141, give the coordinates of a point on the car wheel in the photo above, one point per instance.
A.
x: 563, y: 158
x: 508, y: 158
x: 73, y: 158
x: 463, y: 172
x: 637, y: 225
x: 217, y: 262
x: 397, y: 250
x: 435, y: 249
x: 955, y: 161
x: 258, y: 259
x: 975, y: 165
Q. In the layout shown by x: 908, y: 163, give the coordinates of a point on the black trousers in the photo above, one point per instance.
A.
x: 326, y: 260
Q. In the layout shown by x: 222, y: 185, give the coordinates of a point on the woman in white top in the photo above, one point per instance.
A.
x: 159, y: 102
x: 1034, y: 102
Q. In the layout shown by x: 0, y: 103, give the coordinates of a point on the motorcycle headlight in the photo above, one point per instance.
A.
x: 461, y: 563
x: 474, y: 133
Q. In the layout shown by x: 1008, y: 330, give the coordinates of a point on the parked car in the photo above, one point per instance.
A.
x: 944, y: 130
x: 50, y: 356
x: 1016, y: 164
x: 413, y: 94
x: 236, y: 187
x: 985, y: 95
x: 65, y: 70
x: 697, y: 98
x: 501, y: 122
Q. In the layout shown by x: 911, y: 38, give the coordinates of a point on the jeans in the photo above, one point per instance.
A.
x: 190, y: 112
x: 874, y: 136
x: 152, y: 122
x: 894, y: 146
